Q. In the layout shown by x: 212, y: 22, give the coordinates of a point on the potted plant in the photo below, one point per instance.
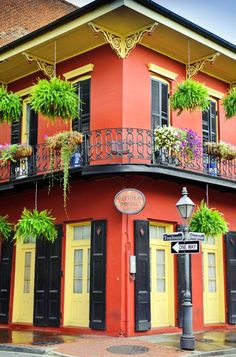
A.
x: 190, y: 95
x: 222, y: 150
x: 54, y: 99
x: 35, y: 224
x: 67, y: 143
x: 10, y: 106
x: 5, y: 228
x: 14, y: 152
x: 209, y: 221
x: 229, y: 103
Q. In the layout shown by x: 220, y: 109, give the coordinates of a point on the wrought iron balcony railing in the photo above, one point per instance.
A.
x: 116, y: 146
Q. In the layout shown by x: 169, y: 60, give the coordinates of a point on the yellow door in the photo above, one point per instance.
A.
x: 77, y: 275
x: 213, y: 281
x: 24, y: 282
x: 162, y: 277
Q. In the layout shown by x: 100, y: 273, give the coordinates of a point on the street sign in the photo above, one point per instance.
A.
x: 176, y: 236
x: 185, y: 247
x: 196, y: 236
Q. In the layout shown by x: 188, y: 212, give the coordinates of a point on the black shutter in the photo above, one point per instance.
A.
x: 142, y: 281
x: 83, y: 122
x: 47, y: 281
x: 155, y: 104
x: 97, y: 319
x: 230, y: 240
x: 16, y: 132
x: 33, y: 127
x: 5, y: 279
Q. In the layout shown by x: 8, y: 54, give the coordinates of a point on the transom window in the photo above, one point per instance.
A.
x: 156, y: 232
x: 82, y: 232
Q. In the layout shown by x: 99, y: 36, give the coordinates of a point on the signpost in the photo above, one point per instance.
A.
x: 173, y: 237
x: 185, y: 247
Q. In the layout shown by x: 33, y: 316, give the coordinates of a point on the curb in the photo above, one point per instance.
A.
x: 225, y: 352
x: 23, y: 349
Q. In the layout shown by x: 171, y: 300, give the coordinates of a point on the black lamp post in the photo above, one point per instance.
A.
x: 185, y: 207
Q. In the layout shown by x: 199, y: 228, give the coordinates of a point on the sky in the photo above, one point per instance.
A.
x: 217, y: 16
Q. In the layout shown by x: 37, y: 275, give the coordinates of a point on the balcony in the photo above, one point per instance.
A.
x: 121, y: 150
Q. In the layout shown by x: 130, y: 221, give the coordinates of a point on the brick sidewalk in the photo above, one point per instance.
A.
x: 96, y: 346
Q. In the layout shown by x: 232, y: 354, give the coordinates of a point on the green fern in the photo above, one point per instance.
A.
x: 190, y: 95
x: 35, y: 224
x: 229, y: 103
x: 55, y: 99
x: 209, y: 221
x: 10, y: 106
x: 5, y: 228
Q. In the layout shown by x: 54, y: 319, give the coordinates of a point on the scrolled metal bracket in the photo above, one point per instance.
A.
x: 195, y: 66
x: 232, y: 85
x: 123, y: 45
x: 43, y: 65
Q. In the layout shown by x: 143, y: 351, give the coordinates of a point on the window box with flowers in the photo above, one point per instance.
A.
x: 14, y: 152
x: 221, y: 150
x: 184, y: 144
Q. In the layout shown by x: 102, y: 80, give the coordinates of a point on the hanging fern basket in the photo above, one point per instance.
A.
x: 35, y: 224
x: 209, y: 221
x: 54, y: 99
x: 67, y: 142
x: 229, y: 103
x: 10, y: 106
x: 5, y: 228
x: 190, y: 95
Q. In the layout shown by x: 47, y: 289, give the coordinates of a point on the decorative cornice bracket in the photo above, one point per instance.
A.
x: 195, y: 66
x: 232, y: 85
x: 43, y: 65
x: 123, y: 44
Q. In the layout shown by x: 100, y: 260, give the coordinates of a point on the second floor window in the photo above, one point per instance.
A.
x: 159, y: 103
x: 82, y: 123
x: 209, y: 123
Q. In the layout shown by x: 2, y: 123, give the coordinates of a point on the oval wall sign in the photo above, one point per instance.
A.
x: 130, y: 201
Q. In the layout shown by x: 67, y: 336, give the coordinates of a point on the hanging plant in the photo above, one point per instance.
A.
x: 5, y: 228
x: 190, y: 95
x: 229, y: 103
x: 35, y: 224
x: 55, y: 99
x: 14, y: 152
x: 222, y: 150
x: 209, y: 221
x: 10, y: 106
x: 67, y: 143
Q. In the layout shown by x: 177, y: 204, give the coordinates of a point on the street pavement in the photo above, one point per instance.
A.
x: 33, y: 343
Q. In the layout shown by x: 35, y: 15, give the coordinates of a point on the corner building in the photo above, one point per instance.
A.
x: 125, y: 58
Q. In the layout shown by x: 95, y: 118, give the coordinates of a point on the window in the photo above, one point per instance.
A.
x: 78, y: 271
x: 27, y: 270
x: 161, y: 274
x: 209, y: 123
x: 211, y: 272
x: 82, y: 123
x: 159, y: 103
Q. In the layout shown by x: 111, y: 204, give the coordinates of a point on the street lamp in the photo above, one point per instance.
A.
x: 185, y: 207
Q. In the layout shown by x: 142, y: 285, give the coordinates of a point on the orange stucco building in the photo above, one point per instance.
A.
x: 125, y: 58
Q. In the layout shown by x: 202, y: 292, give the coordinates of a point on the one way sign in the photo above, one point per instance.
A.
x: 185, y: 247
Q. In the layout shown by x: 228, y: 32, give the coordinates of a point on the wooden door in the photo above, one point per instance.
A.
x: 47, y: 287
x: 5, y: 279
x: 213, y: 283
x: 77, y: 275
x: 24, y: 282
x: 162, y: 277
